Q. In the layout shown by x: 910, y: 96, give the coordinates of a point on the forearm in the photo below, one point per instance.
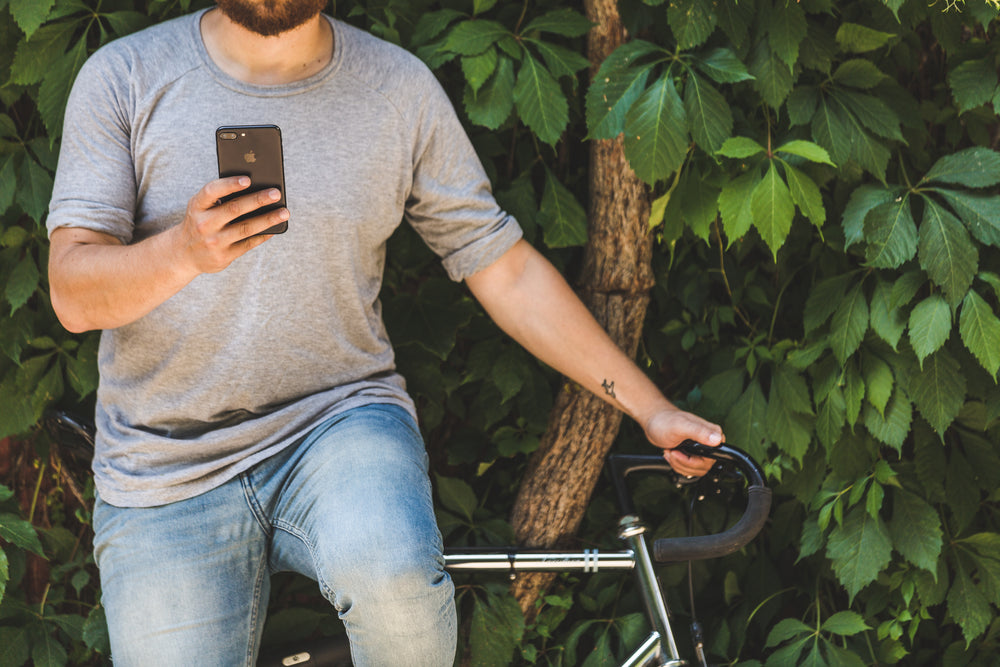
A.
x: 98, y: 283
x: 539, y: 310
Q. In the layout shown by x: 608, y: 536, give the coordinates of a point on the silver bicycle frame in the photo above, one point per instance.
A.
x: 659, y: 649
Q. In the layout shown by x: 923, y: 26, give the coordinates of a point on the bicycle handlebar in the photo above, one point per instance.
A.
x: 673, y: 549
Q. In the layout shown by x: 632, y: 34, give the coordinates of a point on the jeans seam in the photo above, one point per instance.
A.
x: 298, y: 534
x: 255, y: 609
x: 254, y: 505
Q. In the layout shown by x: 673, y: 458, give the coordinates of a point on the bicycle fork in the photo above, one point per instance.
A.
x: 632, y: 531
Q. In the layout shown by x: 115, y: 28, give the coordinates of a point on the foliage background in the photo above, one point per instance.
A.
x: 827, y: 215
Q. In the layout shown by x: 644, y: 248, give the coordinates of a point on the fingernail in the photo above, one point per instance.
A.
x: 274, y: 195
x: 244, y: 181
x: 714, y: 439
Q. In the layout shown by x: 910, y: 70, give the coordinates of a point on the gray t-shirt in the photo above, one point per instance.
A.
x: 241, y: 363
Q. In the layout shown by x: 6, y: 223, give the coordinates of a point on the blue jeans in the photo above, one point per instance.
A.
x: 348, y: 506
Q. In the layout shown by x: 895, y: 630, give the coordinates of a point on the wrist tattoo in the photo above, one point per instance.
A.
x: 609, y: 388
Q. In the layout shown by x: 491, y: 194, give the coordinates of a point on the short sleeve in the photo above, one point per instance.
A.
x: 95, y: 179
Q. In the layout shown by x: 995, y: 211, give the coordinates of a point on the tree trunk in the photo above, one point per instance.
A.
x: 615, y: 284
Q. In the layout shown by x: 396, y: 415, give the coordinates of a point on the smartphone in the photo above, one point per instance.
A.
x: 254, y: 151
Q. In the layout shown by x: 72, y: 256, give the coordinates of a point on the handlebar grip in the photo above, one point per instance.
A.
x: 673, y: 549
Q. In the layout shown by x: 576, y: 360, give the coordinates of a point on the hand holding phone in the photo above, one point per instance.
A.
x: 254, y: 151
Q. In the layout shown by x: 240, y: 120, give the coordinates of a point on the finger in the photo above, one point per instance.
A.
x: 246, y: 204
x: 252, y: 227
x: 213, y: 191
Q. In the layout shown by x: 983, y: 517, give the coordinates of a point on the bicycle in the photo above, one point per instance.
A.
x: 660, y: 647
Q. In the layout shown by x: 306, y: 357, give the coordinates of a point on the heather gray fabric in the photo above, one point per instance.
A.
x: 241, y: 363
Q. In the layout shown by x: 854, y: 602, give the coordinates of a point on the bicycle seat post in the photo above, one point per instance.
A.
x: 632, y: 531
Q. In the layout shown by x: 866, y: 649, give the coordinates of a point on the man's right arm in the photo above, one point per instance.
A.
x: 96, y: 282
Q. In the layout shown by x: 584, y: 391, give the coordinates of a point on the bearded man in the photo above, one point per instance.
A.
x: 250, y: 417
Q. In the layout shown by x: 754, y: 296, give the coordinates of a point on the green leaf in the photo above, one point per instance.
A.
x: 845, y: 624
x: 33, y: 57
x: 891, y: 234
x: 831, y: 418
x: 973, y: 83
x: 46, y: 651
x: 478, y: 69
x: 430, y: 319
x: 14, y: 645
x: 873, y: 114
x: 432, y: 24
x: 856, y: 38
x: 858, y: 73
x: 708, y: 113
x: 8, y: 183
x: 565, y: 22
x: 915, y: 529
x: 35, y: 189
x: 22, y: 283
x: 860, y: 549
x: 491, y: 106
x: 824, y: 299
x: 30, y: 14
x: 801, y: 105
x: 837, y: 129
x: 805, y: 193
x: 560, y: 60
x: 850, y: 322
x: 616, y: 86
x: 980, y: 330
x: 938, y: 390
x: 786, y: 28
x: 722, y: 66
x: 930, y: 326
x: 540, y: 102
x: 979, y: 212
x: 772, y: 77
x: 470, y: 38
x: 691, y: 21
x: 790, y: 388
x: 457, y: 496
x: 497, y: 629
x: 745, y: 423
x: 863, y: 199
x: 772, y: 209
x: 735, y: 207
x: 975, y: 167
x: 887, y: 321
x: 791, y: 431
x: 879, y: 381
x: 20, y: 533
x: 561, y: 217
x: 656, y: 138
x: 807, y: 150
x: 740, y: 148
x: 946, y: 253
x: 892, y: 426
x: 968, y: 606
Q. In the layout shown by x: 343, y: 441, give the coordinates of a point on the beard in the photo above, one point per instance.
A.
x: 270, y: 17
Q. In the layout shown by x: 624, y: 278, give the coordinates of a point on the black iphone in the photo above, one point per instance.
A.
x: 254, y: 151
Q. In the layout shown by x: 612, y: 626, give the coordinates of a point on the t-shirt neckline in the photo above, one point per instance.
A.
x: 265, y: 90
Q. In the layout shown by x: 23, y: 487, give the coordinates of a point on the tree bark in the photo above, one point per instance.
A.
x: 614, y: 283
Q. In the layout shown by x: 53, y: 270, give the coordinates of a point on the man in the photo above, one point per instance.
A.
x: 250, y: 419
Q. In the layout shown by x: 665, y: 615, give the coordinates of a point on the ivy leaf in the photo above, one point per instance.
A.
x: 740, y: 148
x: 560, y: 60
x: 805, y: 193
x: 497, y: 629
x: 938, y: 390
x: 709, y: 114
x: 887, y: 321
x: 845, y: 624
x: 930, y: 326
x: 30, y: 14
x: 561, y: 217
x: 616, y: 86
x: 968, y: 605
x: 979, y: 212
x: 807, y: 150
x: 21, y: 283
x: 722, y: 66
x: 432, y: 24
x: 478, y: 69
x: 745, y: 423
x: 33, y: 57
x: 946, y: 252
x: 893, y: 426
x: 973, y: 83
x: 863, y: 199
x: 891, y: 234
x: 860, y: 549
x: 858, y: 73
x: 656, y: 138
x: 772, y: 77
x: 915, y: 529
x: 844, y: 136
x: 457, y: 496
x: 20, y: 533
x: 772, y: 209
x: 980, y: 331
x: 35, y: 189
x: 873, y: 114
x: 470, y: 38
x: 856, y: 38
x: 691, y: 21
x: 831, y: 418
x: 492, y: 104
x: 734, y: 205
x: 879, y: 381
x: 14, y: 645
x: 825, y: 298
x: 565, y: 22
x: 540, y: 102
x: 54, y: 91
x: 850, y: 322
x: 430, y: 319
x: 786, y: 28
x: 975, y: 167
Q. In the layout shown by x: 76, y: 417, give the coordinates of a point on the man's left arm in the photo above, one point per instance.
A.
x: 530, y: 300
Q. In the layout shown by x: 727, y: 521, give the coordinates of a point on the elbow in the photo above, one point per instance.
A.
x: 69, y: 317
